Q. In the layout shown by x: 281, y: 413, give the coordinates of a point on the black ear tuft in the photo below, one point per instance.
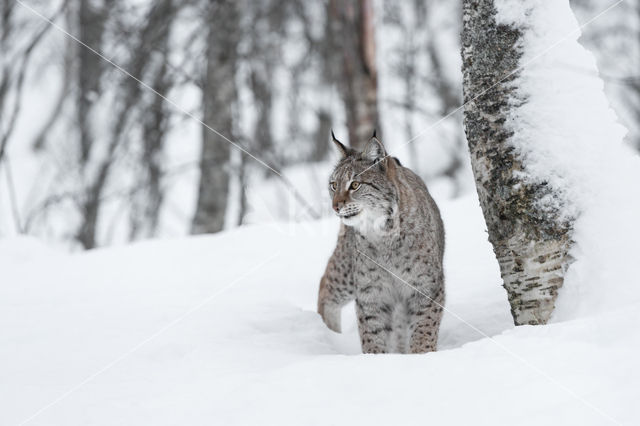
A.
x: 344, y: 151
x: 374, y: 133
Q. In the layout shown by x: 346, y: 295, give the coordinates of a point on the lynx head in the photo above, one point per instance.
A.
x: 361, y: 187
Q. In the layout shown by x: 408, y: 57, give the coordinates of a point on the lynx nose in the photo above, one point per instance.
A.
x: 338, y: 203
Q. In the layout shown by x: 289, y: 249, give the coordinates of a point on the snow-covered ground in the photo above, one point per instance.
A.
x: 221, y: 330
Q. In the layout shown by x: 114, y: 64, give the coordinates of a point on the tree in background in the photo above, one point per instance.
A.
x: 92, y: 18
x: 116, y: 162
x: 18, y: 41
x: 352, y: 29
x: 96, y: 165
x: 531, y: 238
x: 419, y: 36
x: 91, y: 21
x: 219, y: 96
x: 614, y: 39
x: 148, y: 197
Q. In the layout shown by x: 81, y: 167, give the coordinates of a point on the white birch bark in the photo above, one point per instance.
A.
x: 530, y: 239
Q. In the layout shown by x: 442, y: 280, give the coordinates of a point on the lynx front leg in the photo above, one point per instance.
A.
x: 333, y: 295
x: 374, y: 325
x: 424, y: 321
x: 336, y: 286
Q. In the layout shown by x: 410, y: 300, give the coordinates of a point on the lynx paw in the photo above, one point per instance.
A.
x: 331, y: 315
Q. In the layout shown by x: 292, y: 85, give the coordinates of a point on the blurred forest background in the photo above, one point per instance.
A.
x: 136, y: 144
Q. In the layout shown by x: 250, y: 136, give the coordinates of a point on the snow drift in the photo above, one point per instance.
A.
x: 222, y: 330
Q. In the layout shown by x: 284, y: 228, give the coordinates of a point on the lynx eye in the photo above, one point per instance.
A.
x: 333, y: 186
x: 355, y: 186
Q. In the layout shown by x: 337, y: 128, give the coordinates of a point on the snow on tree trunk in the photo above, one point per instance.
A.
x: 219, y: 98
x: 525, y: 213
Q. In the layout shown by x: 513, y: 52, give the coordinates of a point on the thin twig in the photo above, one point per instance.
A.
x: 13, y: 199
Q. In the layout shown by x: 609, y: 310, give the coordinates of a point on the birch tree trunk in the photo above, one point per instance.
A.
x: 353, y: 32
x: 218, y: 99
x: 531, y: 243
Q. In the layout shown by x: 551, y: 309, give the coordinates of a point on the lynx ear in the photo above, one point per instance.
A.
x: 344, y: 151
x: 374, y: 150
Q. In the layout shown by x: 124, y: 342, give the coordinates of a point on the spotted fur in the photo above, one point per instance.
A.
x: 391, y: 239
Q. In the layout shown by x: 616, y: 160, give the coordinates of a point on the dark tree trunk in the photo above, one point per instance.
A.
x: 90, y: 209
x: 531, y: 245
x: 147, y: 205
x: 91, y: 21
x: 636, y: 82
x: 321, y: 142
x: 219, y: 98
x: 261, y: 83
x: 153, y: 35
x: 353, y: 32
x: 267, y: 36
x: 91, y: 24
x: 242, y: 196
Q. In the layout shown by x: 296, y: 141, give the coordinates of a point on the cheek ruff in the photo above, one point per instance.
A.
x: 366, y: 221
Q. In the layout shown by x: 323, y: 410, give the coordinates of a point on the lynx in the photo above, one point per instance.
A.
x: 389, y: 253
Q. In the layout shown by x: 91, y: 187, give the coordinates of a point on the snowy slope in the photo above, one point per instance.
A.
x: 222, y: 330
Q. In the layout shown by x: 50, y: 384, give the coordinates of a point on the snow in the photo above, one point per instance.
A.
x: 611, y: 38
x: 567, y: 135
x: 222, y: 330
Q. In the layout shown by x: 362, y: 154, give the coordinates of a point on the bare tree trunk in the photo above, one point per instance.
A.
x: 531, y: 244
x: 636, y: 84
x: 242, y: 189
x: 91, y: 24
x: 154, y: 135
x: 6, y: 30
x: 219, y: 97
x: 91, y: 21
x: 353, y: 30
x: 321, y: 137
x: 146, y: 207
x: 12, y: 74
x: 268, y: 20
x: 449, y: 95
x: 261, y: 74
x: 153, y: 34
